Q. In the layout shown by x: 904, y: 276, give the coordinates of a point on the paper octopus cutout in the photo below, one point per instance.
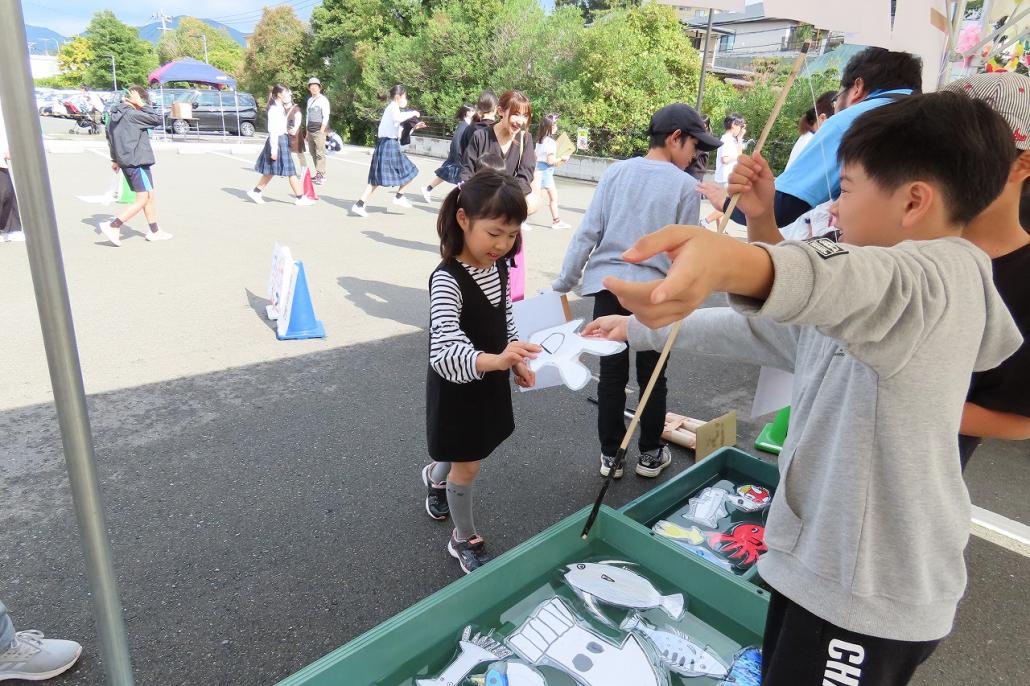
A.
x: 562, y: 348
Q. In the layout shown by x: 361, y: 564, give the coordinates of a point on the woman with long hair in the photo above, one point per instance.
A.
x: 275, y: 158
x: 390, y: 166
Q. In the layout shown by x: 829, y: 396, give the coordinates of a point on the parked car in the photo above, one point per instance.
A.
x: 209, y: 107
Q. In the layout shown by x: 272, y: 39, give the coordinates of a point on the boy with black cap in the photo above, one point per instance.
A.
x: 633, y: 198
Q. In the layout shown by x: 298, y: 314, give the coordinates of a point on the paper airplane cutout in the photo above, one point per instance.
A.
x: 562, y: 348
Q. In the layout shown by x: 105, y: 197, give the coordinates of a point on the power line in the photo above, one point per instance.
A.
x: 248, y: 15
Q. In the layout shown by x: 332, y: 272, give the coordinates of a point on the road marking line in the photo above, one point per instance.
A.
x: 1000, y: 530
x: 229, y: 156
x: 340, y: 159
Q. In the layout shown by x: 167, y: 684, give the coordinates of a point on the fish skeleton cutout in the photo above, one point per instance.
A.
x: 509, y: 674
x: 474, y: 651
x: 562, y: 348
x: 621, y: 588
x: 552, y: 634
x: 678, y: 652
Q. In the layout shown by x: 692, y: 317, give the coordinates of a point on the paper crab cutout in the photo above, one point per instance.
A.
x: 562, y: 348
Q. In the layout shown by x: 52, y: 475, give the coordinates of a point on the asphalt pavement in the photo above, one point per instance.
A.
x: 263, y: 497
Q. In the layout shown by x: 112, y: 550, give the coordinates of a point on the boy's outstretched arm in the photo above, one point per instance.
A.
x: 753, y: 179
x: 702, y: 263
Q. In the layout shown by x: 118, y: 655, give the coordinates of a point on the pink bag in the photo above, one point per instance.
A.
x: 517, y: 275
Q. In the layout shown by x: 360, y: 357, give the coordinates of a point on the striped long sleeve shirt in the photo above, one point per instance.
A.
x: 451, y: 353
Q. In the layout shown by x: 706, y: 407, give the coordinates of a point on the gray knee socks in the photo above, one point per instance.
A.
x: 439, y: 471
x: 459, y: 500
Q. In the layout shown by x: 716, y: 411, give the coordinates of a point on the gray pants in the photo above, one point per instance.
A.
x: 6, y: 629
x: 316, y: 147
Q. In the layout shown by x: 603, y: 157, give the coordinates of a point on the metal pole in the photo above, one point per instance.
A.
x: 44, y: 253
x: 204, y: 38
x: 704, y: 62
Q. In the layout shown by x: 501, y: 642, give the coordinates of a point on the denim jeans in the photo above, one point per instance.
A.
x: 6, y: 628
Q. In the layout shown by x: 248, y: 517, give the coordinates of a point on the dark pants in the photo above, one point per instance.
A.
x: 9, y: 219
x: 611, y: 390
x: 786, y: 208
x: 800, y: 649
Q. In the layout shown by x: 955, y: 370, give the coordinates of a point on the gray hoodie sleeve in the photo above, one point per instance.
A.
x: 884, y: 302
x: 583, y: 242
x: 721, y: 332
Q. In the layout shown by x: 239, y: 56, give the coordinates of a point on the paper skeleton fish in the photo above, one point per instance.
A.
x: 712, y: 504
x: 621, y: 588
x: 552, y: 635
x: 680, y: 654
x: 741, y: 545
x: 562, y: 348
x: 474, y: 651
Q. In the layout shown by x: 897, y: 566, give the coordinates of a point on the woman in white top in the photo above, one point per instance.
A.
x: 547, y: 161
x: 810, y: 123
x: 726, y: 158
x: 10, y: 220
x: 390, y: 166
x: 275, y: 158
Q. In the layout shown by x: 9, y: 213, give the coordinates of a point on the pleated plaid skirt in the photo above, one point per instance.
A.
x: 390, y: 166
x: 283, y: 166
x: 449, y: 172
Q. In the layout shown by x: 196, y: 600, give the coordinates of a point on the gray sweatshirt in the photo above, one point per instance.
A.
x: 871, y: 515
x: 633, y: 198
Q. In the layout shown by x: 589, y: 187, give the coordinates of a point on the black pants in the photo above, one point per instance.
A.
x: 9, y: 219
x: 611, y: 390
x: 786, y: 209
x: 802, y: 650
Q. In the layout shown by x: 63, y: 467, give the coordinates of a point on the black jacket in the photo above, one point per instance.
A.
x: 127, y: 135
x: 520, y: 160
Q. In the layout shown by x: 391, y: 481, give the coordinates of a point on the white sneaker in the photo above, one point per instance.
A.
x: 34, y: 658
x: 359, y: 210
x: 559, y: 224
x: 158, y: 235
x: 427, y: 195
x: 651, y: 464
x: 303, y: 201
x: 606, y: 466
x: 15, y: 236
x: 256, y: 197
x: 401, y: 201
x: 110, y: 233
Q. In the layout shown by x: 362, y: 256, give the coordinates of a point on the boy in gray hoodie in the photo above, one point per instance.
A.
x: 882, y: 332
x: 129, y: 140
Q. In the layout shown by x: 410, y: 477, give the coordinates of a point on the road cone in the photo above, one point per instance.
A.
x: 127, y: 195
x: 302, y: 322
x: 772, y: 436
x: 309, y: 186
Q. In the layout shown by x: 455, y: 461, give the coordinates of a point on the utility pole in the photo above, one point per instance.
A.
x: 203, y: 38
x: 114, y: 76
x: 704, y: 61
x: 164, y: 19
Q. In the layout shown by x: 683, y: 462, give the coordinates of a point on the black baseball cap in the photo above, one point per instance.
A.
x: 686, y: 119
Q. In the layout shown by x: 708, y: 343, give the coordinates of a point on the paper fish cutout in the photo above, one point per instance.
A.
x: 562, y: 348
x: 751, y: 498
x: 708, y: 507
x: 621, y: 588
x: 678, y: 652
x: 474, y: 651
x: 691, y: 538
x: 552, y: 634
x: 746, y: 669
x: 509, y: 674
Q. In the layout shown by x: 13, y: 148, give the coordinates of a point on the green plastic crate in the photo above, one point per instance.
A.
x: 426, y: 633
x: 726, y: 463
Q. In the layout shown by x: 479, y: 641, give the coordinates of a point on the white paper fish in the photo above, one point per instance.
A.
x: 708, y: 507
x: 553, y: 635
x: 474, y: 650
x: 678, y: 652
x: 621, y: 588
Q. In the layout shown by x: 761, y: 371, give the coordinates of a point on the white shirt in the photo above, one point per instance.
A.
x: 549, y: 146
x: 729, y: 148
x: 317, y: 110
x: 276, y: 121
x: 800, y: 144
x: 3, y: 140
x: 390, y: 124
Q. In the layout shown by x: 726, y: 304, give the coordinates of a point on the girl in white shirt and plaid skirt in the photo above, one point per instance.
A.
x: 390, y: 166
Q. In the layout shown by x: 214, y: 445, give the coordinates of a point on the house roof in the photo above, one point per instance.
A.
x: 751, y: 13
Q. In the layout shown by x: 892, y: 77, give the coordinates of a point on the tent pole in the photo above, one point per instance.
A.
x: 164, y: 126
x: 55, y: 318
x: 236, y: 101
x: 704, y: 62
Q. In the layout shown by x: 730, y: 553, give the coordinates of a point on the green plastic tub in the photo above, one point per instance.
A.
x: 664, y: 501
x: 421, y: 640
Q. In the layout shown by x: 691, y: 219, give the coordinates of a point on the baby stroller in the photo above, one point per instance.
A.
x: 83, y: 118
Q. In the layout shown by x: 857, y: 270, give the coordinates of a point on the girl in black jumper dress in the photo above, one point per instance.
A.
x: 473, y: 344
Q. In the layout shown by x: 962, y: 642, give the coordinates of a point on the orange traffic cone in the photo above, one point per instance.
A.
x: 309, y: 186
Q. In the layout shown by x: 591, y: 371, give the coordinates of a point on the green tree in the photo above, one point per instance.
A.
x: 185, y: 41
x: 134, y: 57
x: 278, y: 52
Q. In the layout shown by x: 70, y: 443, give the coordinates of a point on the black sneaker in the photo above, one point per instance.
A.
x: 606, y: 466
x: 651, y: 464
x: 470, y: 554
x: 436, y: 498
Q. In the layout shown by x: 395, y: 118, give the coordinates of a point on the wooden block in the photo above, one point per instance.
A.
x: 716, y: 434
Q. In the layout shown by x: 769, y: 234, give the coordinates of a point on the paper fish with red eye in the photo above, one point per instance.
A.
x: 562, y: 348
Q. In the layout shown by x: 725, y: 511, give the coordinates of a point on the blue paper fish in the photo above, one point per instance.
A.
x: 746, y: 669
